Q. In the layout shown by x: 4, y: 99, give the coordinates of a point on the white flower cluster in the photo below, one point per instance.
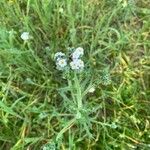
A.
x: 76, y: 64
x: 61, y: 61
x: 25, y: 36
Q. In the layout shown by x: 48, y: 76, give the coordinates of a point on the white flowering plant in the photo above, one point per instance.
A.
x: 94, y: 95
x: 72, y: 65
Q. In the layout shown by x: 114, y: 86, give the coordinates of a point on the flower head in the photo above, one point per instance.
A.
x: 25, y: 36
x: 61, y: 63
x: 77, y: 64
x: 80, y: 50
x: 78, y: 53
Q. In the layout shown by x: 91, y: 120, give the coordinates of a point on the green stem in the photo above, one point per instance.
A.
x: 78, y: 91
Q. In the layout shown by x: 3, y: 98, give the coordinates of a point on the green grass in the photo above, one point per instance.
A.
x: 44, y: 108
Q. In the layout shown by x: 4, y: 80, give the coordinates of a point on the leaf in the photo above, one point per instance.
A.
x: 8, y: 109
x: 32, y: 140
x: 69, y: 125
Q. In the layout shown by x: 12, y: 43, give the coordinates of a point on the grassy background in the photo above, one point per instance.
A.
x: 36, y: 102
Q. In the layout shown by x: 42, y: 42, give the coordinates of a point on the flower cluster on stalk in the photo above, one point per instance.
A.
x: 76, y: 62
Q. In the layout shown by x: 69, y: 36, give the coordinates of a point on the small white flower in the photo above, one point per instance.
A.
x: 80, y: 50
x: 25, y: 36
x: 61, y: 63
x: 80, y: 63
x: 77, y: 64
x: 58, y: 55
x: 74, y: 65
x: 61, y: 10
x: 78, y: 53
x: 91, y: 90
x: 75, y: 55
